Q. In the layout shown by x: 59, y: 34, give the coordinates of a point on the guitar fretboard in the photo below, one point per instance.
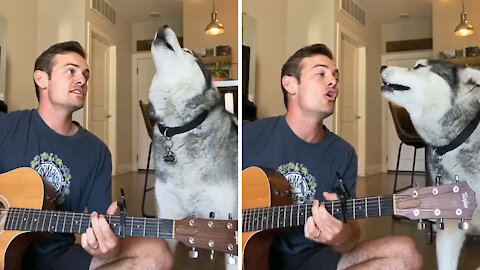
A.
x: 255, y: 219
x: 34, y: 220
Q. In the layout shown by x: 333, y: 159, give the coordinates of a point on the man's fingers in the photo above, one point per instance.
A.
x: 330, y: 196
x: 112, y: 208
x: 96, y: 226
x: 91, y: 240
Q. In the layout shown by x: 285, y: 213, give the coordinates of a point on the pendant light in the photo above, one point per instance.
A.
x: 214, y: 27
x: 464, y: 28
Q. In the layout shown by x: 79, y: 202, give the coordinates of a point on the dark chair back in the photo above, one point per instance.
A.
x: 403, y: 125
x: 146, y: 117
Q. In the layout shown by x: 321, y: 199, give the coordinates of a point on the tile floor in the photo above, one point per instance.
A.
x: 379, y: 184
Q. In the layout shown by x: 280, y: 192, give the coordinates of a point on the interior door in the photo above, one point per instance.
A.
x: 146, y: 71
x: 348, y: 94
x: 98, y: 90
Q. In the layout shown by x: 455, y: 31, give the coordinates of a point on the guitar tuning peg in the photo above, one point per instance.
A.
x: 212, y: 215
x: 212, y: 255
x: 231, y: 259
x: 457, y: 179
x: 421, y: 225
x: 193, y: 253
x: 463, y: 225
x: 441, y: 225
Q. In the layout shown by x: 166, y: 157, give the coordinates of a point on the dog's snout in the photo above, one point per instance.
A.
x: 382, y: 68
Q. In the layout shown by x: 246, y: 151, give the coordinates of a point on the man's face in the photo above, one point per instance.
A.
x: 317, y: 89
x: 67, y: 86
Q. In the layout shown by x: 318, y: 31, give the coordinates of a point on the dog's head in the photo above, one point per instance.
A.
x: 433, y: 91
x: 182, y: 87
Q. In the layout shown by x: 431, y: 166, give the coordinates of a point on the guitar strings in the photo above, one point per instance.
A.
x: 133, y: 224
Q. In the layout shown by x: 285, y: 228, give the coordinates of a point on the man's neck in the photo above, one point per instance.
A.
x: 58, y: 121
x: 308, y: 129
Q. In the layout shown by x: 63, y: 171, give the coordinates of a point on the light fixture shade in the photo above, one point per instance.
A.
x: 214, y: 27
x: 464, y: 28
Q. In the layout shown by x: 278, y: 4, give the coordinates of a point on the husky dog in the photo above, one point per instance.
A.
x: 195, y: 138
x: 443, y: 99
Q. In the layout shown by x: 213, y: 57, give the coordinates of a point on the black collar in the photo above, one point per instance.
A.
x: 171, y: 131
x: 462, y: 137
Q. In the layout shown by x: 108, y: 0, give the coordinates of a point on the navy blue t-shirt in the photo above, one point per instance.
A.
x: 310, y: 168
x: 78, y: 166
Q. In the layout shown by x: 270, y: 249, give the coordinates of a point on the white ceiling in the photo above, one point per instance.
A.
x: 383, y: 11
x: 139, y: 10
x: 388, y: 11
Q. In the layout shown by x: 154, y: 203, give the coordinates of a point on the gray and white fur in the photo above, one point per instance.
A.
x: 442, y: 98
x: 204, y: 177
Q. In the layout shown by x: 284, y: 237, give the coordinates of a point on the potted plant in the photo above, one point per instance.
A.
x: 220, y: 73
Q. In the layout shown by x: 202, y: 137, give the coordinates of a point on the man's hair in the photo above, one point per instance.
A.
x: 293, y: 68
x: 45, y: 61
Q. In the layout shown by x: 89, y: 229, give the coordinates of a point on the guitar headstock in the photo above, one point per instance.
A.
x: 212, y: 234
x: 452, y: 201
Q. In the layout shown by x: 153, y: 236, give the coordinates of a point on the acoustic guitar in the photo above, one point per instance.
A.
x: 23, y: 199
x: 267, y: 207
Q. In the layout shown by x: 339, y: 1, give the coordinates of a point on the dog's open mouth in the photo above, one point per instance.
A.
x: 389, y: 87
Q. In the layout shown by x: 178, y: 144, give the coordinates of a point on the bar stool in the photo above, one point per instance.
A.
x: 149, y: 126
x: 408, y: 135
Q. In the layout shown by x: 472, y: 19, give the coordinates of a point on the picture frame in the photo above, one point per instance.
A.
x: 471, y: 51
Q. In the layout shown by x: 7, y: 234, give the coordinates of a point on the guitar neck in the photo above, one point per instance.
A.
x: 33, y: 220
x: 256, y: 219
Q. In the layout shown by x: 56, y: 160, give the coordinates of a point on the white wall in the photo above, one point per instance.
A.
x: 67, y: 24
x: 405, y: 31
x: 21, y: 20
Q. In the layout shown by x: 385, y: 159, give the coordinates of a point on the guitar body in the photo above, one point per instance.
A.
x: 22, y: 188
x: 261, y: 188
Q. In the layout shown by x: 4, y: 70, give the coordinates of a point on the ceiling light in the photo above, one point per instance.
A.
x: 464, y: 28
x: 214, y: 27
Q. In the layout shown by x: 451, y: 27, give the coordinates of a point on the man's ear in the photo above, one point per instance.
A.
x: 41, y: 78
x: 290, y: 84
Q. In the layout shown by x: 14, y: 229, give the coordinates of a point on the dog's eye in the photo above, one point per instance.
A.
x: 418, y: 66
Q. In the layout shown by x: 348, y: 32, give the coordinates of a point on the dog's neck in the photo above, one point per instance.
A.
x: 442, y: 129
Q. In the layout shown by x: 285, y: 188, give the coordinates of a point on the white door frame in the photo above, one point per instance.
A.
x: 94, y: 30
x: 362, y: 75
x: 135, y: 106
x: 385, y: 109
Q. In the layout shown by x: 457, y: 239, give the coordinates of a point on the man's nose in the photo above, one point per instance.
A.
x: 332, y: 80
x: 81, y: 79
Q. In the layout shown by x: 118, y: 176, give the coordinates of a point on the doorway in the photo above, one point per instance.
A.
x: 101, y: 96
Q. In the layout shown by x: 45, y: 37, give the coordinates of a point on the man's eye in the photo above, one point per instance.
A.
x: 418, y: 66
x: 70, y: 71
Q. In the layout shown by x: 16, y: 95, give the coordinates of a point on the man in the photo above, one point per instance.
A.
x: 77, y: 164
x: 313, y: 160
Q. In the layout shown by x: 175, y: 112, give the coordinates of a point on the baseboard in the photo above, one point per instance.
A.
x: 374, y: 169
x: 123, y: 168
